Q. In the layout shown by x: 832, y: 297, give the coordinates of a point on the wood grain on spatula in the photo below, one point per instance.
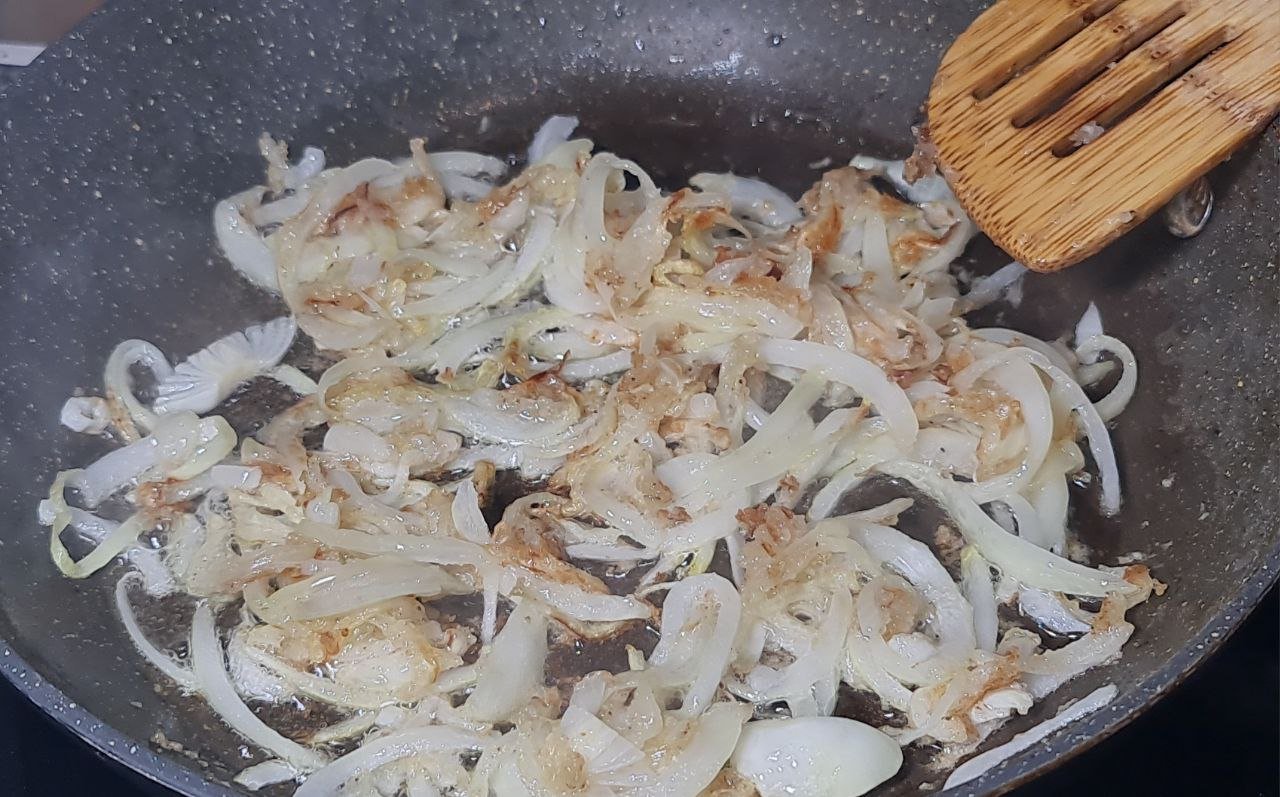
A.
x: 1062, y: 124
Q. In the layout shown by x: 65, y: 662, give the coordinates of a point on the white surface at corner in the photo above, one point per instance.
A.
x: 18, y: 53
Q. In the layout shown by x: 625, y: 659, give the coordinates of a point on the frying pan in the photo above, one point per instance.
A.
x: 119, y: 141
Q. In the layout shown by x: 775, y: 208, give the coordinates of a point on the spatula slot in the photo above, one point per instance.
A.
x: 1181, y: 64
x: 1034, y: 48
x: 1119, y: 33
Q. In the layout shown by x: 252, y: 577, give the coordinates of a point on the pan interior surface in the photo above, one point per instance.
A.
x: 119, y: 142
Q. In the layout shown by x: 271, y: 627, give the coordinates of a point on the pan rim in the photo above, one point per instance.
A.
x: 139, y: 757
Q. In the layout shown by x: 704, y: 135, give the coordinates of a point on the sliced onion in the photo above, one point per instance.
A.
x: 268, y: 773
x: 472, y: 293
x: 383, y: 750
x: 596, y: 367
x: 578, y: 604
x: 751, y: 198
x: 815, y: 756
x: 800, y: 681
x: 119, y: 382
x: 1020, y: 381
x: 983, y: 762
x: 114, y: 538
x: 988, y: 289
x: 1014, y: 556
x: 1046, y: 671
x: 1111, y: 405
x: 472, y: 164
x: 432, y: 550
x: 864, y: 377
x: 603, y: 749
x: 205, y: 379
x: 1049, y: 612
x: 533, y: 251
x: 355, y: 585
x: 511, y: 671
x: 478, y: 416
x: 1093, y: 426
x: 1089, y: 326
x: 703, y: 750
x: 765, y: 455
x: 162, y: 661
x: 489, y: 615
x: 460, y: 346
x: 181, y: 447
x: 862, y: 668
x: 209, y: 669
x: 241, y: 242
x: 952, y: 619
x: 553, y: 132
x: 700, y: 619
x: 467, y: 517
x: 979, y: 591
x: 85, y: 414
x: 714, y: 525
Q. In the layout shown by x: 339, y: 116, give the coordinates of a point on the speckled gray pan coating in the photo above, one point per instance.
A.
x: 117, y: 143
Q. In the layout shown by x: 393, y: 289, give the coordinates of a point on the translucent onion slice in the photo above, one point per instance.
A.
x: 1014, y: 556
x: 433, y: 740
x: 767, y: 454
x: 700, y: 618
x: 978, y: 589
x: 1046, y: 671
x: 433, y: 550
x: 357, y: 584
x: 1049, y: 612
x: 577, y: 603
x: 952, y: 618
x: 210, y: 672
x: 815, y: 756
x: 863, y: 376
x: 1111, y: 405
x: 986, y: 761
x: 751, y: 198
x: 85, y: 414
x: 700, y: 753
x: 510, y: 672
x: 268, y: 773
x: 112, y: 538
x: 467, y: 517
x: 180, y: 447
x: 603, y: 749
x: 162, y: 661
x: 553, y: 132
x: 988, y: 289
x: 1090, y: 324
x: 118, y: 381
x: 205, y: 379
x: 241, y: 242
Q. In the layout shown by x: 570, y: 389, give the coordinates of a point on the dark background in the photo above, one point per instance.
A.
x: 1217, y: 734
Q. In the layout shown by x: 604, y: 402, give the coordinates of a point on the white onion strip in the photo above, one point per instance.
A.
x: 384, y: 750
x: 162, y: 661
x: 1111, y: 405
x: 863, y: 376
x: 983, y: 762
x: 210, y: 671
x: 1014, y: 556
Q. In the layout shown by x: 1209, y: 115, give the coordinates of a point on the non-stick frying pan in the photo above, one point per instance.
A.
x: 119, y: 141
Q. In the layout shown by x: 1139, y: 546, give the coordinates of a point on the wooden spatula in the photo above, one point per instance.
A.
x: 1062, y: 124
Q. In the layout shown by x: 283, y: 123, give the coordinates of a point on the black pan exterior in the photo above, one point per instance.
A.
x: 115, y: 146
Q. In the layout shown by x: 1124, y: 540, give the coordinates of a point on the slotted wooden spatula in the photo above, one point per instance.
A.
x: 1062, y: 124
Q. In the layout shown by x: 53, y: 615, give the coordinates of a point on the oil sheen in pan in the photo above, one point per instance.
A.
x: 571, y: 655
